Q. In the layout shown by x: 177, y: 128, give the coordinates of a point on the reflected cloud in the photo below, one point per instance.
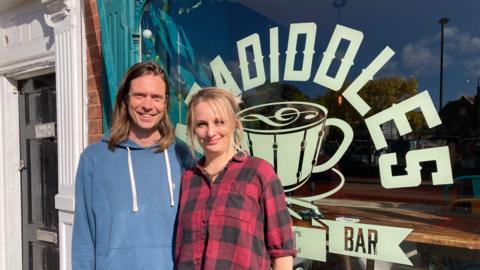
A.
x: 463, y: 42
x: 472, y: 66
x: 390, y: 69
x: 423, y: 56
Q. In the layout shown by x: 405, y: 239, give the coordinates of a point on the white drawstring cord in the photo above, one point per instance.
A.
x: 169, y: 176
x: 171, y: 186
x: 132, y: 182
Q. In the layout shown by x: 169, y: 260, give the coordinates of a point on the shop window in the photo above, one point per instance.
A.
x: 399, y: 123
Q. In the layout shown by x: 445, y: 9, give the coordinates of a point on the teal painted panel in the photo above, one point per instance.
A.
x: 118, y: 48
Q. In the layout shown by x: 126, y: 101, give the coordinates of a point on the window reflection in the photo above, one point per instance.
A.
x: 200, y: 44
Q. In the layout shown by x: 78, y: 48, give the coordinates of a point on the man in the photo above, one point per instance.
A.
x: 127, y: 185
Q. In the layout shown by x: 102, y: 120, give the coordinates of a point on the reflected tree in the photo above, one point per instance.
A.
x: 379, y: 95
x: 273, y: 92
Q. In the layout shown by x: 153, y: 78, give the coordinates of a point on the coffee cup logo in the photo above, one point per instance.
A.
x: 289, y: 135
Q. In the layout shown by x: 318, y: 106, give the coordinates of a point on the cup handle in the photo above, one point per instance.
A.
x: 347, y: 140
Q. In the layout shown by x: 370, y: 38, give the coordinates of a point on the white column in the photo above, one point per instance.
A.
x: 66, y: 17
x: 10, y: 201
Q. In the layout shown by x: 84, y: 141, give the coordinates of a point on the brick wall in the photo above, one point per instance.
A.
x: 94, y: 71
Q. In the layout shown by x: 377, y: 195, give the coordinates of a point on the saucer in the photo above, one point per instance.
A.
x: 328, y: 193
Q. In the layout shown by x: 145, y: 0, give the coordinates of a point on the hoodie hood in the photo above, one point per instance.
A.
x: 129, y: 143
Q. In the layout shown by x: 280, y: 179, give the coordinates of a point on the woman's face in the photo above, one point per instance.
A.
x: 214, y: 131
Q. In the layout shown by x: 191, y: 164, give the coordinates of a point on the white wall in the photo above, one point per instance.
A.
x: 30, y: 32
x: 27, y: 43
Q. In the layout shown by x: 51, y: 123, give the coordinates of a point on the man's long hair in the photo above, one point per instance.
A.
x: 120, y: 129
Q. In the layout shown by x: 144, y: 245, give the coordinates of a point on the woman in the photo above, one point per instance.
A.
x: 232, y: 212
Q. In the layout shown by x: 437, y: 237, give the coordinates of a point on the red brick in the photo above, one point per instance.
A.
x: 94, y: 85
x: 95, y: 112
x: 94, y: 126
x: 94, y: 52
x: 91, y: 82
x: 92, y: 21
x: 94, y: 70
x: 93, y: 138
x: 93, y: 98
x: 93, y: 37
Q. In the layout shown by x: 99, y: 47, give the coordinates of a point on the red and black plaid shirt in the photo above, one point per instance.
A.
x: 239, y: 221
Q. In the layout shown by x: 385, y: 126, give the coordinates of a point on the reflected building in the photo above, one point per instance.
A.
x: 459, y: 118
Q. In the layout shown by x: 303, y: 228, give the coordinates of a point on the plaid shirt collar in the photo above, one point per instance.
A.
x: 238, y: 157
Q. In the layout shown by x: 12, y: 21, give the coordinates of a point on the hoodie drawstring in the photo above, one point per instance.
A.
x: 171, y: 186
x: 132, y: 182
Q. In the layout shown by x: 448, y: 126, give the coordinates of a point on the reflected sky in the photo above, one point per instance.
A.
x: 409, y: 27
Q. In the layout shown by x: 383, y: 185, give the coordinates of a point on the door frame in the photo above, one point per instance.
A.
x: 39, y: 179
x: 10, y: 200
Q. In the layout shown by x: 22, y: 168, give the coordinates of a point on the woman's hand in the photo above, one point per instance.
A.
x: 283, y: 263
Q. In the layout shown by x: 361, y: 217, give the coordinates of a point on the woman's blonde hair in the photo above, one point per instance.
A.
x: 120, y: 129
x: 225, y: 103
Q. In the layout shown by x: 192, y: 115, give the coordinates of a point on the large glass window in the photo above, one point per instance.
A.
x: 368, y: 110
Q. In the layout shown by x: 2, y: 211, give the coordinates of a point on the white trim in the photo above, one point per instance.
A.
x: 85, y: 75
x: 10, y: 189
x: 65, y: 243
x: 28, y: 68
x: 65, y: 16
x: 70, y: 95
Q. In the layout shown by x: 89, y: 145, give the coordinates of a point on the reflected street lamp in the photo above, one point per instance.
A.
x: 442, y: 22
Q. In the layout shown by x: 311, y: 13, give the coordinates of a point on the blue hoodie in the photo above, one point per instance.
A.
x: 125, y: 206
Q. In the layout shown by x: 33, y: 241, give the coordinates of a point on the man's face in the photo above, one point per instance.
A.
x: 146, y: 104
